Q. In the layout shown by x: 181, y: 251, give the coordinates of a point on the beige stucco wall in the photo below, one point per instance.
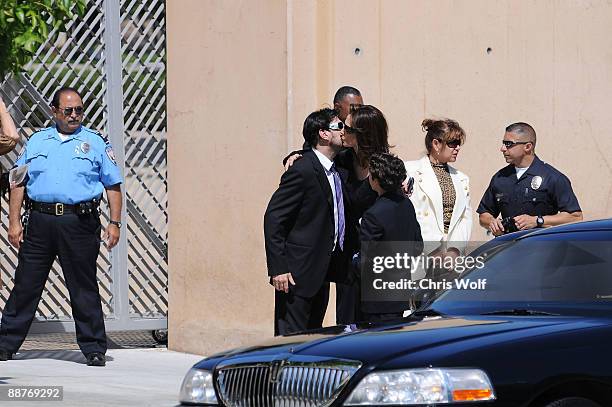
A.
x: 242, y: 76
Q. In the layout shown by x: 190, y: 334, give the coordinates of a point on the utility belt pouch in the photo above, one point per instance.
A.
x: 86, y: 208
x: 25, y: 220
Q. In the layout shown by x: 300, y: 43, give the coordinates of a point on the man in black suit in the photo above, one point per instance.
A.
x: 388, y: 226
x: 304, y: 227
x: 347, y: 294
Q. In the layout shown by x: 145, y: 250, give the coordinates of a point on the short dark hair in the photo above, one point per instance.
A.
x: 55, y: 102
x: 522, y: 129
x: 344, y: 91
x: 388, y: 170
x: 317, y: 121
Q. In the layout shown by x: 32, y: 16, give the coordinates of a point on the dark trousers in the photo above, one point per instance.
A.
x: 75, y: 240
x: 293, y: 313
x: 348, y: 296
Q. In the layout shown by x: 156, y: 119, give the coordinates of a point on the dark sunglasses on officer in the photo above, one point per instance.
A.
x: 510, y: 143
x: 67, y: 111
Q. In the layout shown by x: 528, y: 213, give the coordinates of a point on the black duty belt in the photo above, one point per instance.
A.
x: 59, y: 209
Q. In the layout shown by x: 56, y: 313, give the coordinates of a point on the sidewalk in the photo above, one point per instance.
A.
x: 132, y: 377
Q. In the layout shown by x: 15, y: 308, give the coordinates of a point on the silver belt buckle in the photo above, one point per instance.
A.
x: 59, y: 209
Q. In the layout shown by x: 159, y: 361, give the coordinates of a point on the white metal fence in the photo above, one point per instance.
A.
x: 116, y: 56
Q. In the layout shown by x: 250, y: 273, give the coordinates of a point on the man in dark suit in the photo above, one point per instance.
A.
x: 304, y: 227
x: 388, y: 227
x: 347, y: 294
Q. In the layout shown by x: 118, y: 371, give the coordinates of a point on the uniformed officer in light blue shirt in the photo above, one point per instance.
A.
x: 90, y: 157
x: 68, y: 168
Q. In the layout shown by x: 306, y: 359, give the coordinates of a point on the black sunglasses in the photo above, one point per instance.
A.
x: 510, y: 144
x: 67, y: 111
x: 453, y: 143
x: 336, y: 126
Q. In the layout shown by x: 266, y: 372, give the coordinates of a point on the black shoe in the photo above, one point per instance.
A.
x: 5, y: 355
x: 96, y: 359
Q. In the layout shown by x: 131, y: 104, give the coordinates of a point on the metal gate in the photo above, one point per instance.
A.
x: 116, y: 56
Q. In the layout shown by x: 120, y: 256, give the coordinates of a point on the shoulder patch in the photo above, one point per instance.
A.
x: 111, y: 154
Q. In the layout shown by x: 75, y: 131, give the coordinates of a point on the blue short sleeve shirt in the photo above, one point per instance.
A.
x: 71, y: 171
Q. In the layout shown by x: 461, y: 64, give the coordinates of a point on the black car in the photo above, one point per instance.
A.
x: 540, y: 334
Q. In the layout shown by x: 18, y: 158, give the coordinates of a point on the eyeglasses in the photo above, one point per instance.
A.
x: 510, y: 143
x: 453, y: 143
x: 67, y: 111
x: 336, y: 126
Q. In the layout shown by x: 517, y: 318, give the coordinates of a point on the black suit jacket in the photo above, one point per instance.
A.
x: 299, y: 226
x: 360, y: 194
x: 391, y: 219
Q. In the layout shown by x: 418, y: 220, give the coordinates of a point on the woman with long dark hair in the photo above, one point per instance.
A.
x: 365, y: 133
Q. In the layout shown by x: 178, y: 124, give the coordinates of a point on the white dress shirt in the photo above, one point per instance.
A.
x: 327, y: 164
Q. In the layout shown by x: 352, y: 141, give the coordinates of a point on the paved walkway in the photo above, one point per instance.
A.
x: 132, y: 377
x: 137, y: 376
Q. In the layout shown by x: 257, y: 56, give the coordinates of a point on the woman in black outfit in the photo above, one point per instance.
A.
x: 365, y: 133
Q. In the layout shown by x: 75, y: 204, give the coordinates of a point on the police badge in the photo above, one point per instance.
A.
x: 536, y: 182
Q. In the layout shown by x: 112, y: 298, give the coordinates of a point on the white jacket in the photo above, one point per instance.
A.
x: 427, y: 200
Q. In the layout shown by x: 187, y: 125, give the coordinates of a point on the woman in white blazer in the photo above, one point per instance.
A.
x: 441, y: 193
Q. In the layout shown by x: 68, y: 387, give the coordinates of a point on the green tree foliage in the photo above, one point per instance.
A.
x: 26, y: 24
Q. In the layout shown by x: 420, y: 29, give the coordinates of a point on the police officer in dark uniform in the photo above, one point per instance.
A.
x: 69, y: 167
x: 528, y: 193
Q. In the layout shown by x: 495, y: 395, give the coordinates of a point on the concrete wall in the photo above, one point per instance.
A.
x: 243, y: 75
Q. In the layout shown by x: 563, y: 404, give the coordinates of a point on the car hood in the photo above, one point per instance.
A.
x: 382, y: 343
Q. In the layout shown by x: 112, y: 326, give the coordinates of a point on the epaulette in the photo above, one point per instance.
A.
x: 38, y: 131
x: 102, y: 136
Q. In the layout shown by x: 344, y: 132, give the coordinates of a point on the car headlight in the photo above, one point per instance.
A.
x: 422, y: 386
x: 198, y: 388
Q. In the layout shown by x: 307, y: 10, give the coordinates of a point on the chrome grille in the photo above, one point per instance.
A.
x: 284, y: 384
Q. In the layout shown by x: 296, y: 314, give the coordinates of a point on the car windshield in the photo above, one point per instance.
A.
x: 545, y: 275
